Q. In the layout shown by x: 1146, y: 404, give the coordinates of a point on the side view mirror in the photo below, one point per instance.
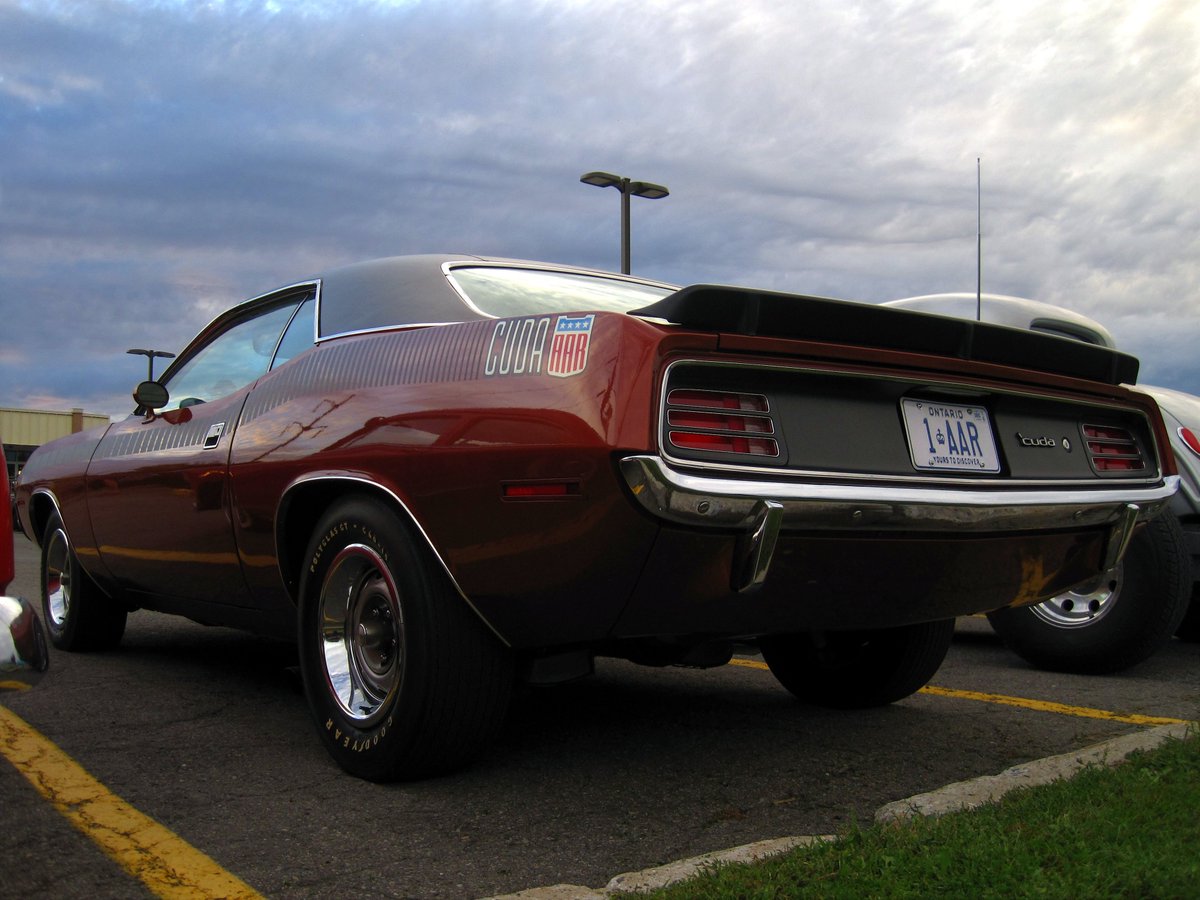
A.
x: 151, y: 395
x: 24, y: 657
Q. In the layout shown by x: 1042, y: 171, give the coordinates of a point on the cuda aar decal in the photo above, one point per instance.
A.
x: 569, y: 346
x: 518, y: 346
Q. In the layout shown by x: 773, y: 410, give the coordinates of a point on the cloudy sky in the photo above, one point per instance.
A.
x: 162, y: 160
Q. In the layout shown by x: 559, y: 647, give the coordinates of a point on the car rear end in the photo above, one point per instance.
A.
x: 829, y: 465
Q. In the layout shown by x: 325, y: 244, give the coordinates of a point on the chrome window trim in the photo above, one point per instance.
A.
x: 233, y: 313
x: 381, y: 329
x: 318, y: 284
x: 288, y: 324
x: 939, y: 382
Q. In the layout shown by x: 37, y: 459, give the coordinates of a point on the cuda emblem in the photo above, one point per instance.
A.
x: 516, y: 347
x: 1040, y: 441
x: 569, y: 345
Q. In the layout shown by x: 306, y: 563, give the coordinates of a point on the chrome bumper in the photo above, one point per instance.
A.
x: 24, y: 656
x: 761, y: 509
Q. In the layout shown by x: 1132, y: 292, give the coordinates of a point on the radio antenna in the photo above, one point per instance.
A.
x: 978, y: 241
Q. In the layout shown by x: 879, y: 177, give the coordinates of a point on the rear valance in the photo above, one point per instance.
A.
x: 744, y: 311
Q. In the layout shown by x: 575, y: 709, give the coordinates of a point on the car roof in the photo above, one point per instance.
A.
x: 362, y: 296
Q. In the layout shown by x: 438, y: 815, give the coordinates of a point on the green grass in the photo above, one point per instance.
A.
x: 1130, y: 831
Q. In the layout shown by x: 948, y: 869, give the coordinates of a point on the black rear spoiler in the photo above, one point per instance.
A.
x: 709, y: 307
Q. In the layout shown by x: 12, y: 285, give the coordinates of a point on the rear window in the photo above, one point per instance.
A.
x: 504, y: 292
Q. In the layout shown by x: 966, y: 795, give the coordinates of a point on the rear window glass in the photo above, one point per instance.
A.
x: 504, y: 292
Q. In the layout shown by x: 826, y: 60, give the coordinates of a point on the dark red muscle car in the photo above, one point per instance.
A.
x: 444, y: 474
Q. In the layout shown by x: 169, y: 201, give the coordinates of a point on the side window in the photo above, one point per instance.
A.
x: 231, y: 360
x: 300, y: 334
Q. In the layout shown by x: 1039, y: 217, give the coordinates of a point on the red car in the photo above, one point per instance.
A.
x: 6, y: 531
x: 445, y: 475
x: 23, y: 656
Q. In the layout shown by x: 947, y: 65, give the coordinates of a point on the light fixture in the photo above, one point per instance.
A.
x: 628, y: 188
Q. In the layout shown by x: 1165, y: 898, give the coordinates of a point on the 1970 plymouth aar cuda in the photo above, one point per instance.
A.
x: 444, y: 474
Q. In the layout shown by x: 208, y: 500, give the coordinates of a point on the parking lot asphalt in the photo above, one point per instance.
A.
x: 204, y: 732
x: 958, y: 797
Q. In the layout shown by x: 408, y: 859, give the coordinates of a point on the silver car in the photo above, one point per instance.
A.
x: 1128, y: 613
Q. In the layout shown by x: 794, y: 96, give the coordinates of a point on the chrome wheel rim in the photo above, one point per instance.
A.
x: 56, y: 579
x: 361, y: 634
x: 1085, y: 605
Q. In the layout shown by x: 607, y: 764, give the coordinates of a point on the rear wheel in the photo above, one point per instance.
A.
x: 1114, y: 622
x: 403, y: 679
x: 859, y: 669
x: 79, y: 616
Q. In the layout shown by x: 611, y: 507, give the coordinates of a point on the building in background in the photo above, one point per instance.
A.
x: 24, y: 430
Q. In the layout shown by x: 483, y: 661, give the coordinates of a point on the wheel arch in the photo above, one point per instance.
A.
x: 42, y: 506
x: 305, y: 501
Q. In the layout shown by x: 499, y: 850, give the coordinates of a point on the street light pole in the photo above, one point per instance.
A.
x: 624, y: 226
x: 627, y: 188
x: 150, y: 355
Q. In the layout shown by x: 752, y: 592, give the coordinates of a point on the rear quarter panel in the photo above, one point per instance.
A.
x: 443, y: 419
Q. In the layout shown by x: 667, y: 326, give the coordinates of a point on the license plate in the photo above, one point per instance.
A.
x: 949, y: 437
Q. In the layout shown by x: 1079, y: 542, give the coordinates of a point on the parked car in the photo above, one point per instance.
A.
x: 1127, y: 614
x: 12, y: 502
x: 6, y: 533
x: 442, y: 475
x: 24, y: 656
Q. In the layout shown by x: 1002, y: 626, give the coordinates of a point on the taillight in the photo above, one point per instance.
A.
x: 718, y: 400
x: 721, y: 422
x: 684, y: 418
x: 1112, y: 449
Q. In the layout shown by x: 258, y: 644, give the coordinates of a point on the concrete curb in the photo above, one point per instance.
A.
x: 962, y: 795
x: 661, y: 876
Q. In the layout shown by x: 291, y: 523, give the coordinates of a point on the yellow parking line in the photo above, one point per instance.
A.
x: 1023, y: 702
x: 749, y: 664
x: 1046, y: 706
x: 166, y: 864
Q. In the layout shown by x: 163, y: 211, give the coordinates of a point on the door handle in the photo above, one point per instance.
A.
x: 214, y: 435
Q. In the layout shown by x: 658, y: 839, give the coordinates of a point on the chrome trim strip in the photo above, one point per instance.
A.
x: 942, y: 382
x: 383, y: 328
x: 343, y: 476
x: 703, y: 501
x: 50, y: 495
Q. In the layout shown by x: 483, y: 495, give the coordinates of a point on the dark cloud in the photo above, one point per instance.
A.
x: 165, y: 159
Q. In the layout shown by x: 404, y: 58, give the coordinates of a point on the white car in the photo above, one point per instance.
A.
x: 1129, y: 613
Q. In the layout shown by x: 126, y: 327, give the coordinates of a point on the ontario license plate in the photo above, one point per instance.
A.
x: 949, y: 437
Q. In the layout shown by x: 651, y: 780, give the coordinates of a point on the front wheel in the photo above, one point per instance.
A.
x: 403, y: 680
x: 1115, y: 622
x: 858, y: 669
x: 79, y: 616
